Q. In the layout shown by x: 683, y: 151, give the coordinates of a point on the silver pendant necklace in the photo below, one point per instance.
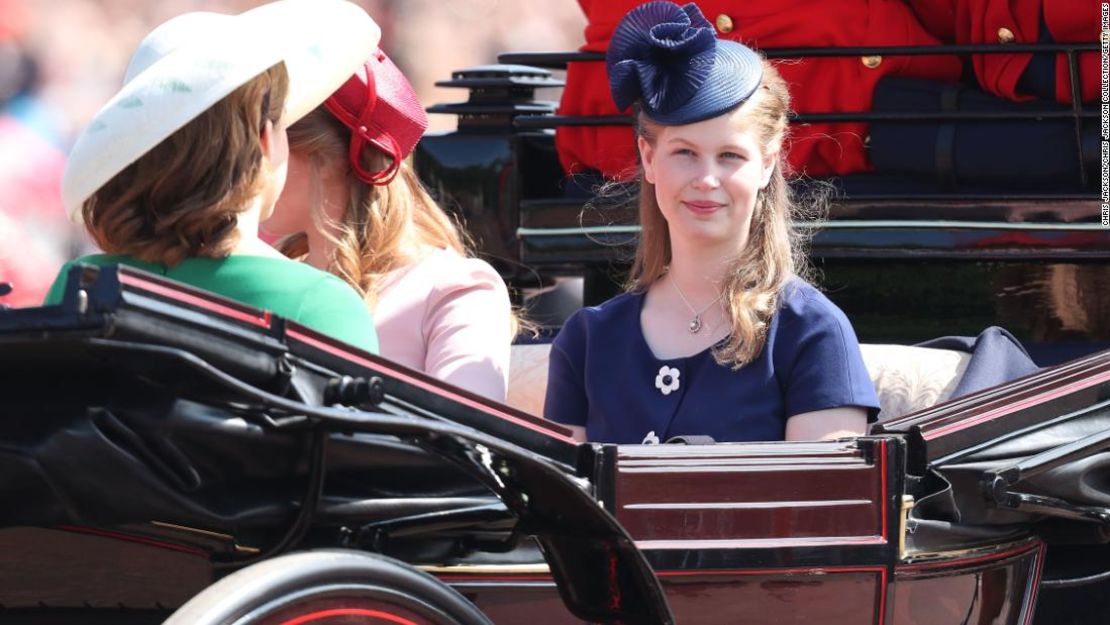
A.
x: 695, y: 324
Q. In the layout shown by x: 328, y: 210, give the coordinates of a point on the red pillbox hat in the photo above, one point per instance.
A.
x: 380, y: 107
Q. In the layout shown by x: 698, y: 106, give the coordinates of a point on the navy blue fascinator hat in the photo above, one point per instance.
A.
x: 669, y: 59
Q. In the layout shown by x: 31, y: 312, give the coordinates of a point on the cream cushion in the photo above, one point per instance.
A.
x: 907, y: 379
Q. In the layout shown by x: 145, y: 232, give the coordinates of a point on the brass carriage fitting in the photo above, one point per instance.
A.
x: 903, y: 523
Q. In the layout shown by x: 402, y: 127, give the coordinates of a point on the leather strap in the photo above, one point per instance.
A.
x: 691, y: 439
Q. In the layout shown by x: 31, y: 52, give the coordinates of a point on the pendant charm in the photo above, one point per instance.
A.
x: 695, y: 324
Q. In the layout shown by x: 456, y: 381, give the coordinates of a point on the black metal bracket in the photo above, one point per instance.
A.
x: 373, y: 536
x: 998, y: 485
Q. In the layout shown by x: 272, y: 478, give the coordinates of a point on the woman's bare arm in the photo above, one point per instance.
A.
x: 827, y: 424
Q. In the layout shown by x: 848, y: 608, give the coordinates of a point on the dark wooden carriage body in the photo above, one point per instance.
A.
x: 154, y: 438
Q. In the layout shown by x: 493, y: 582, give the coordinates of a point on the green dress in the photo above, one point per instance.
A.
x: 293, y: 290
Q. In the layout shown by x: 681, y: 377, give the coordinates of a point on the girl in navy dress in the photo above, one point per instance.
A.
x: 717, y: 335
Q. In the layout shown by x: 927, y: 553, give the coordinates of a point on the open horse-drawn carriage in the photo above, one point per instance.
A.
x: 168, y: 454
x: 155, y: 438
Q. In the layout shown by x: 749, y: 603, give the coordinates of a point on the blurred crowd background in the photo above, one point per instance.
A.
x: 60, y: 60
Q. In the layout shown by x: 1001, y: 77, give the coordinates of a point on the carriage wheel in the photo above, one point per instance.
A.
x: 331, y: 587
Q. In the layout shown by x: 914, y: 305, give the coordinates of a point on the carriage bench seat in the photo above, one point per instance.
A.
x: 907, y: 378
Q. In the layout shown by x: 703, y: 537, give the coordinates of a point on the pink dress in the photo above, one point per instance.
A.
x: 449, y: 317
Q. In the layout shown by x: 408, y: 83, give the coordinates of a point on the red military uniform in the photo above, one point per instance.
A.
x: 1017, y: 21
x: 817, y: 84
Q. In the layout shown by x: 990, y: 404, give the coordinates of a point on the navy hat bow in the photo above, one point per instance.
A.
x: 669, y: 59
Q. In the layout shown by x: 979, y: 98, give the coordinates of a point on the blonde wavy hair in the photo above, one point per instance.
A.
x: 368, y: 239
x: 774, y: 251
x: 183, y: 197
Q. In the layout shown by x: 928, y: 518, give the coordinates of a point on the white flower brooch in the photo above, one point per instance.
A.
x: 667, y: 380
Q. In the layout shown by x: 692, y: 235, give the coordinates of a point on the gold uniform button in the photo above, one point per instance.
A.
x: 871, y: 61
x: 1005, y: 35
x: 724, y: 23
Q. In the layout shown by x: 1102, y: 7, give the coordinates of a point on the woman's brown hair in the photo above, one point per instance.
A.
x: 368, y: 239
x: 774, y: 251
x: 183, y: 197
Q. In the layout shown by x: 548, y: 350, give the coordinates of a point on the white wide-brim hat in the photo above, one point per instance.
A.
x: 193, y: 61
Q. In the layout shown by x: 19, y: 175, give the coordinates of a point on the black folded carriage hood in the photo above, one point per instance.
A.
x: 1031, y: 452
x: 139, y: 399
